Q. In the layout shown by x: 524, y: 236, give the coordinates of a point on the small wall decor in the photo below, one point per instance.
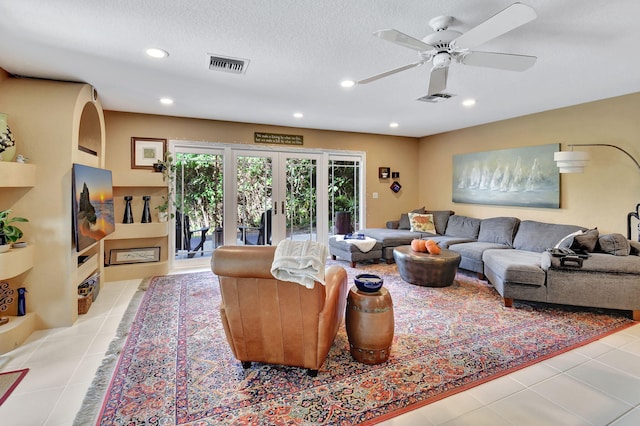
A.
x: 145, y: 152
x: 525, y: 177
x: 134, y: 255
x: 384, y: 172
x: 395, y: 175
x: 395, y: 186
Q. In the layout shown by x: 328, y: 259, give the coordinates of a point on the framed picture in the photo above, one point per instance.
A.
x: 524, y: 177
x: 147, y: 151
x: 384, y: 172
x: 395, y: 186
x: 134, y: 255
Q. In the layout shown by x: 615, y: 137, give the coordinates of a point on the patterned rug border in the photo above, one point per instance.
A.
x: 479, y: 382
x: 94, y: 400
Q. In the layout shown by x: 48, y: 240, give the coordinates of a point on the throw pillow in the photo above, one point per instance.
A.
x: 616, y: 244
x: 404, y: 218
x: 422, y: 222
x: 567, y: 241
x: 586, y: 241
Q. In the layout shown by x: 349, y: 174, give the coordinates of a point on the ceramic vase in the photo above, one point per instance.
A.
x: 7, y: 143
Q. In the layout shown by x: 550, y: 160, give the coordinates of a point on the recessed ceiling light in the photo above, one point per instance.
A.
x: 157, y: 53
x: 393, y: 125
x: 298, y: 114
x: 166, y: 101
x: 469, y: 102
x: 347, y: 83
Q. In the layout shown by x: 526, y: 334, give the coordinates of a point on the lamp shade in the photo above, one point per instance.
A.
x: 571, y: 161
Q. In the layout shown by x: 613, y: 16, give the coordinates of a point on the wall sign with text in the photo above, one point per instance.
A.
x: 277, y: 138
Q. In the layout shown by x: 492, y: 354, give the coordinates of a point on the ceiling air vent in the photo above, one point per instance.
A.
x: 435, y: 98
x: 232, y: 65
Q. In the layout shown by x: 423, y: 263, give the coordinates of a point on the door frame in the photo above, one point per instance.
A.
x: 229, y: 179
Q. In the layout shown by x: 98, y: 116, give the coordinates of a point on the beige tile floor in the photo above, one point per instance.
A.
x: 597, y: 384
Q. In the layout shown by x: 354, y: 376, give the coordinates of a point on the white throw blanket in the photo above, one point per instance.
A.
x: 301, y: 262
x: 363, y: 245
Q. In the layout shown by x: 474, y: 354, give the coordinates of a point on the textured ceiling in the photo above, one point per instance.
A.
x: 300, y: 50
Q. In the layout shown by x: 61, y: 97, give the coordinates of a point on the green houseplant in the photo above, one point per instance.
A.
x: 9, y: 233
x: 167, y: 168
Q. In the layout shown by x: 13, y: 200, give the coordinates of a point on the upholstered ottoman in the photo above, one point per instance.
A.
x: 349, y: 250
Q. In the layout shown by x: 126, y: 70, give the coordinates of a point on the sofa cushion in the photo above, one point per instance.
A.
x: 422, y: 223
x: 616, y: 244
x: 404, y: 218
x: 475, y: 249
x: 463, y: 227
x: 586, y: 241
x: 515, y: 266
x: 445, y: 241
x: 440, y: 219
x: 539, y: 236
x: 499, y: 230
x: 392, y: 237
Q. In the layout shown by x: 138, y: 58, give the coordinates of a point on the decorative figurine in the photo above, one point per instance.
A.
x: 128, y: 216
x: 146, y: 212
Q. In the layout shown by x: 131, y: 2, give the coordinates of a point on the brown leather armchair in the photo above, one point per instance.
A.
x: 277, y: 322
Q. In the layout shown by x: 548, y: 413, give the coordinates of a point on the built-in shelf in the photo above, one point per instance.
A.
x: 86, y: 269
x: 137, y: 270
x: 17, y: 175
x: 128, y: 231
x: 16, y: 331
x: 16, y: 261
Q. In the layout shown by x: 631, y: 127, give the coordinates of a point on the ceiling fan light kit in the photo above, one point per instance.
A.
x: 445, y: 45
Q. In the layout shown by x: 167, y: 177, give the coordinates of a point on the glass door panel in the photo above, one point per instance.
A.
x: 345, y: 192
x: 199, y: 206
x: 301, y: 198
x: 254, y: 198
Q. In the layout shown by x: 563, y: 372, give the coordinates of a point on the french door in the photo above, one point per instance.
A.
x: 276, y: 197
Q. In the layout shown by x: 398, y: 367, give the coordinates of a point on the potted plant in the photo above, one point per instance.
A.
x: 9, y: 233
x: 163, y: 214
x: 167, y: 168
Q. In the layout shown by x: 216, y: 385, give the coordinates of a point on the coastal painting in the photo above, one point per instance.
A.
x: 93, y: 211
x: 526, y: 177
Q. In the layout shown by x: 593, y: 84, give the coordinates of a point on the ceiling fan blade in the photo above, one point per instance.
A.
x: 510, y: 18
x: 390, y: 72
x: 438, y: 80
x: 503, y: 61
x: 395, y: 36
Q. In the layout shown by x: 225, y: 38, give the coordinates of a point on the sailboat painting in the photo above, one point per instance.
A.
x: 525, y: 177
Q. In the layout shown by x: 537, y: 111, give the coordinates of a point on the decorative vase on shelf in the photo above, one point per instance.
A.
x: 128, y: 215
x: 146, y: 212
x: 7, y: 143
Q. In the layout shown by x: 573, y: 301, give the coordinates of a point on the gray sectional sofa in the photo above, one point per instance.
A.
x: 512, y: 255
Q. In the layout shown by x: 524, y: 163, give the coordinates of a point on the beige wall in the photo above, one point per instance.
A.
x: 398, y: 153
x: 601, y: 196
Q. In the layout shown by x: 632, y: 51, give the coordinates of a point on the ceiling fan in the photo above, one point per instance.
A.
x: 444, y: 45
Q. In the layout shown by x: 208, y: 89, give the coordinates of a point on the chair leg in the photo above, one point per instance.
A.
x: 312, y: 373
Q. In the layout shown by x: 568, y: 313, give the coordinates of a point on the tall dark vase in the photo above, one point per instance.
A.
x: 22, y: 304
x: 146, y: 212
x: 128, y: 216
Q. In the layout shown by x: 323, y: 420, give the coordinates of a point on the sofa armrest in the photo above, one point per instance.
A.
x: 393, y: 224
x: 333, y: 311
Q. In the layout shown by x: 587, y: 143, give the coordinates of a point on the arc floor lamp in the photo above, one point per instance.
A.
x: 575, y: 162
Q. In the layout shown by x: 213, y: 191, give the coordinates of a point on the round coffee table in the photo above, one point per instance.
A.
x: 369, y: 322
x: 430, y: 270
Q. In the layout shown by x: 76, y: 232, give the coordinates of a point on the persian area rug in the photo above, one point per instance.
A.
x: 176, y: 366
x: 9, y: 381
